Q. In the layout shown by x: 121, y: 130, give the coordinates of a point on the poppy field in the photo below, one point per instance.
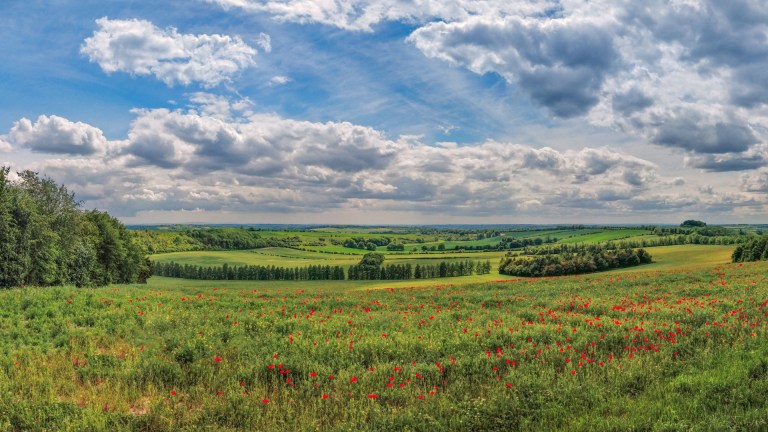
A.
x: 669, y: 349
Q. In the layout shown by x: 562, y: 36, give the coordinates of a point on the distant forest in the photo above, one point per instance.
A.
x: 46, y: 239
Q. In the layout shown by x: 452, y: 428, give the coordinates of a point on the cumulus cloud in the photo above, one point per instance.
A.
x: 560, y: 64
x: 690, y: 132
x: 139, y: 47
x: 5, y: 146
x: 261, y: 144
x: 698, y: 88
x: 756, y: 181
x: 745, y: 161
x: 57, y: 135
x: 186, y: 159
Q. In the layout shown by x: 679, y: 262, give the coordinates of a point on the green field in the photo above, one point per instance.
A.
x: 604, y: 236
x: 678, y: 344
x: 665, y: 257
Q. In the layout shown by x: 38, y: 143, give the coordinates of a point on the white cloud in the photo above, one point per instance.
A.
x: 5, y: 146
x: 174, y: 160
x: 279, y: 80
x: 560, y: 64
x: 265, y: 42
x: 140, y: 48
x: 363, y: 15
x: 58, y: 135
x: 756, y: 181
x: 697, y: 88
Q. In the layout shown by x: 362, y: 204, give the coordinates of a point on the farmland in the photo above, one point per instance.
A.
x: 677, y: 344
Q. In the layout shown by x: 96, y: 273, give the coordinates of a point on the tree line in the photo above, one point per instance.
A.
x: 753, y: 250
x: 419, y: 271
x: 46, y: 239
x: 584, y: 261
x: 371, y: 267
x: 248, y: 272
x: 364, y: 271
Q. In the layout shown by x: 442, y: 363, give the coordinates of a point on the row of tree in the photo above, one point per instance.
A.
x: 754, y: 250
x: 586, y: 261
x: 320, y: 272
x: 419, y: 271
x: 46, y: 239
x: 248, y: 272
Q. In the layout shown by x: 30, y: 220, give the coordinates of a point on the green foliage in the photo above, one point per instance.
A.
x: 591, y: 259
x: 691, y: 223
x: 248, y: 272
x: 754, y: 250
x: 370, y: 268
x: 45, y: 239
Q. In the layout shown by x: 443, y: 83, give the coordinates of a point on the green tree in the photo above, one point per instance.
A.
x: 9, y: 263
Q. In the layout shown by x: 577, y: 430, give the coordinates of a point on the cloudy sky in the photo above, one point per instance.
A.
x: 392, y: 111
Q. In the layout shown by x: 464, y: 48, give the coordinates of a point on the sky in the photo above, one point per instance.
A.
x: 392, y: 111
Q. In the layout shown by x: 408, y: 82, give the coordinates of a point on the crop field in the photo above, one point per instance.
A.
x: 603, y: 236
x: 679, y: 344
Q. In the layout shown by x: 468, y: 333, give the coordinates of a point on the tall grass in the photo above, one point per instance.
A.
x: 651, y: 350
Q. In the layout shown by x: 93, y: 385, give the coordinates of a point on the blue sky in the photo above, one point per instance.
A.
x: 392, y: 111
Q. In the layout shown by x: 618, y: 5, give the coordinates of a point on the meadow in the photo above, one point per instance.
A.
x: 675, y: 345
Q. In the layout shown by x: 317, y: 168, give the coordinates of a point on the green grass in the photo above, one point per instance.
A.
x: 591, y: 352
x: 603, y: 236
x: 683, y: 344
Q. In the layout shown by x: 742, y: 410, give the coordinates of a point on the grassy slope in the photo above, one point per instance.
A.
x: 110, y: 358
x: 603, y: 236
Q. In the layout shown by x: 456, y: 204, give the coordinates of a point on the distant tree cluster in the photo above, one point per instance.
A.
x: 693, y: 223
x: 366, y: 243
x: 753, y: 250
x: 45, y: 239
x: 586, y: 261
x: 248, y: 272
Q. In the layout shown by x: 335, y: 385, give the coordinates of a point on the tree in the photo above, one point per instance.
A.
x: 692, y: 223
x: 9, y: 263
